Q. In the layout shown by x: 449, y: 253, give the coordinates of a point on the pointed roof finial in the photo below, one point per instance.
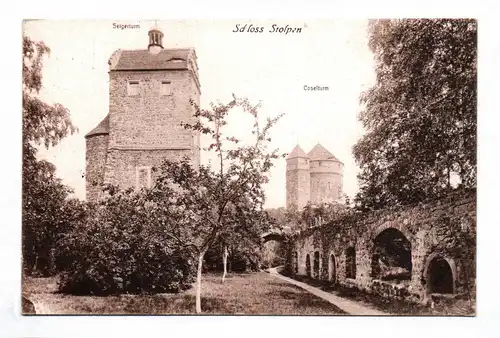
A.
x: 321, y: 153
x: 297, y: 152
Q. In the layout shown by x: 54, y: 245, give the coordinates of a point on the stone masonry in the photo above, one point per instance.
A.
x: 315, y: 177
x: 150, y: 94
x: 442, y: 239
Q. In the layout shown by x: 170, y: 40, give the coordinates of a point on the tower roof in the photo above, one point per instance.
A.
x: 321, y: 153
x: 101, y: 129
x: 297, y: 152
x: 144, y: 60
x: 154, y: 58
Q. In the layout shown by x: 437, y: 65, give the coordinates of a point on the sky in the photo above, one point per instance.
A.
x: 269, y: 67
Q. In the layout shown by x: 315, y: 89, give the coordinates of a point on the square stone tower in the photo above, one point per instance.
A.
x: 297, y: 179
x: 149, y: 97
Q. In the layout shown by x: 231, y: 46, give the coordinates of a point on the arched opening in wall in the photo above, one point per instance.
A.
x: 316, y: 265
x: 391, y: 257
x: 332, y: 269
x: 308, y: 265
x: 295, y: 264
x: 350, y: 263
x: 439, y: 276
x: 273, y: 253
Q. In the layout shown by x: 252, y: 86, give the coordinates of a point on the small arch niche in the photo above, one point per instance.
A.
x: 440, y: 276
x: 295, y: 262
x: 316, y: 268
x: 308, y: 265
x: 350, y: 263
x: 332, y: 269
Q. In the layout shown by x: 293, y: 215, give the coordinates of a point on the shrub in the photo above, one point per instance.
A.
x: 239, y: 260
x: 118, y: 247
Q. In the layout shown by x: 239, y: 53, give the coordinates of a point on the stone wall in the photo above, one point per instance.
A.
x: 151, y: 120
x: 443, y: 230
x: 121, y: 165
x: 325, y: 187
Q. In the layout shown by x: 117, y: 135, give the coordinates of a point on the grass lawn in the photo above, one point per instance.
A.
x: 246, y: 294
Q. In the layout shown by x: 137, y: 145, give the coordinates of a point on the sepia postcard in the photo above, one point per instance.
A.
x: 249, y: 167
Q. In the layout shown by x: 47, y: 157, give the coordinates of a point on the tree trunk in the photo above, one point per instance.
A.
x: 449, y: 178
x: 198, y: 283
x: 224, y: 263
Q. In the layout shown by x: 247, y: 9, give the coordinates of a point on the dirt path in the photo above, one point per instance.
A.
x: 349, y: 306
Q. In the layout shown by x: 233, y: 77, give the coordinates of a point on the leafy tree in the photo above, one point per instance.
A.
x: 43, y: 195
x: 420, y: 116
x: 240, y: 250
x: 242, y: 240
x: 278, y: 215
x: 42, y: 123
x: 44, y: 214
x: 219, y: 202
x: 121, y: 245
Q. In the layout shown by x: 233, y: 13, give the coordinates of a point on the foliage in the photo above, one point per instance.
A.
x: 42, y: 123
x: 243, y: 242
x: 420, y: 116
x: 217, y: 203
x: 121, y: 246
x: 274, y: 254
x: 278, y: 216
x: 322, y: 213
x: 43, y: 195
x: 240, y: 258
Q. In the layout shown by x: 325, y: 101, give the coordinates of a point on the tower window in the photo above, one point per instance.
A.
x: 143, y: 177
x: 166, y: 88
x: 133, y: 88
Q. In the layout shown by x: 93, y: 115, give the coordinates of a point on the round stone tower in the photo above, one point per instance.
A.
x: 297, y: 179
x: 96, y: 142
x: 326, y: 175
